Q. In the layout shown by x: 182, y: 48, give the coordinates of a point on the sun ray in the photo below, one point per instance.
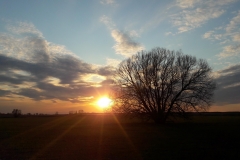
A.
x: 104, y: 102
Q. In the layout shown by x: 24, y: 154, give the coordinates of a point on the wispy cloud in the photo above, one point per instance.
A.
x: 229, y: 51
x: 212, y: 35
x: 233, y: 34
x: 169, y: 33
x: 195, y: 13
x: 107, y: 1
x: 125, y: 45
x: 191, y: 19
x: 24, y: 28
x: 234, y: 23
x: 186, y: 3
x: 236, y: 37
x: 113, y: 62
x: 208, y: 34
x: 228, y: 35
x: 108, y: 22
x: 231, y: 30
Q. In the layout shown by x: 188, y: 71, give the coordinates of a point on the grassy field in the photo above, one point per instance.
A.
x: 107, y: 137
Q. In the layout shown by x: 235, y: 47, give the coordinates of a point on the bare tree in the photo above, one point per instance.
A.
x: 161, y: 82
x: 16, y: 112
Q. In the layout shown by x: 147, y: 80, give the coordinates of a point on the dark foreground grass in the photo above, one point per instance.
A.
x: 108, y: 137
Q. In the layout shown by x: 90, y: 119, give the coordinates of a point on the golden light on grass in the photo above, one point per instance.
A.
x: 104, y: 102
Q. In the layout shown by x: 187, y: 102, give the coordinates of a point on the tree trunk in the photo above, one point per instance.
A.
x: 160, y: 119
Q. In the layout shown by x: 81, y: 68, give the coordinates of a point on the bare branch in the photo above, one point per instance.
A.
x: 159, y: 82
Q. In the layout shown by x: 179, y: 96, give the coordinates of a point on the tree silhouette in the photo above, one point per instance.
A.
x: 160, y: 82
x: 16, y: 112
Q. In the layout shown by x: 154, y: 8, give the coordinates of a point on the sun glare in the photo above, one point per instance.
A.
x: 104, y: 102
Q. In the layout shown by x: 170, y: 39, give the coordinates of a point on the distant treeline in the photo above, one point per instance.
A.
x: 9, y: 115
x: 237, y: 113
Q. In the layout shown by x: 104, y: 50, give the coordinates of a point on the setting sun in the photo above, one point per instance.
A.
x: 104, y: 102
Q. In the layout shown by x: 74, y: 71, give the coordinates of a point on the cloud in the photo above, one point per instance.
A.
x: 124, y: 44
x: 47, y: 91
x: 9, y: 79
x: 232, y: 32
x: 107, y: 1
x: 234, y: 23
x: 108, y: 22
x: 189, y: 20
x: 113, y: 62
x: 4, y: 92
x: 208, y: 34
x: 63, y: 69
x: 231, y: 37
x: 24, y: 28
x: 211, y: 35
x: 236, y: 37
x: 66, y: 68
x: 30, y: 48
x: 169, y: 33
x: 195, y: 13
x: 210, y: 3
x: 107, y: 82
x: 228, y: 85
x: 186, y: 3
x: 106, y: 71
x: 32, y: 67
x: 229, y: 51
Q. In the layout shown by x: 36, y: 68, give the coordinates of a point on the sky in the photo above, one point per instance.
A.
x: 59, y: 56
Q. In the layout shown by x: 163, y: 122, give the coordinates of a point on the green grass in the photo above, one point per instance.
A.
x: 108, y: 137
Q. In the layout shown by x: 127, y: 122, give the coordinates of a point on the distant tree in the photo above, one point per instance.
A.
x: 160, y: 82
x: 16, y: 112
